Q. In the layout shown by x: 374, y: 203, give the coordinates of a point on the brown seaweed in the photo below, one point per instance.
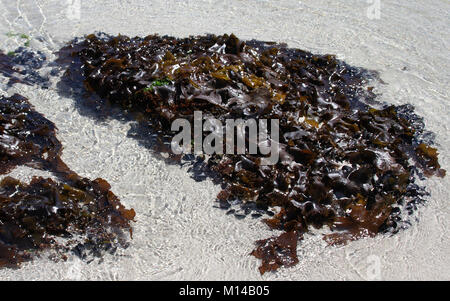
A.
x: 344, y: 157
x: 33, y: 216
x: 26, y: 136
x: 277, y: 251
x: 21, y: 66
x: 7, y: 68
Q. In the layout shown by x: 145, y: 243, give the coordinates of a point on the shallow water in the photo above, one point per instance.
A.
x: 179, y: 235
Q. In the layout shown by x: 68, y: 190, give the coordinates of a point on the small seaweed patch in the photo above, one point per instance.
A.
x: 84, y: 213
x: 346, y: 162
x: 27, y: 137
x: 22, y: 66
x: 71, y: 213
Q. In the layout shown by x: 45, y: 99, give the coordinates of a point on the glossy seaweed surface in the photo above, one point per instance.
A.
x: 22, y: 65
x: 346, y: 161
x: 71, y: 213
x: 27, y: 137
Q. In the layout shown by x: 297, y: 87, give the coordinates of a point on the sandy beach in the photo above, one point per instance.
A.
x: 179, y: 234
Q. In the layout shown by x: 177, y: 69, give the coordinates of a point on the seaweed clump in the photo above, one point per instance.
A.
x: 346, y: 161
x: 27, y: 137
x: 22, y: 65
x: 71, y: 213
x: 33, y: 215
